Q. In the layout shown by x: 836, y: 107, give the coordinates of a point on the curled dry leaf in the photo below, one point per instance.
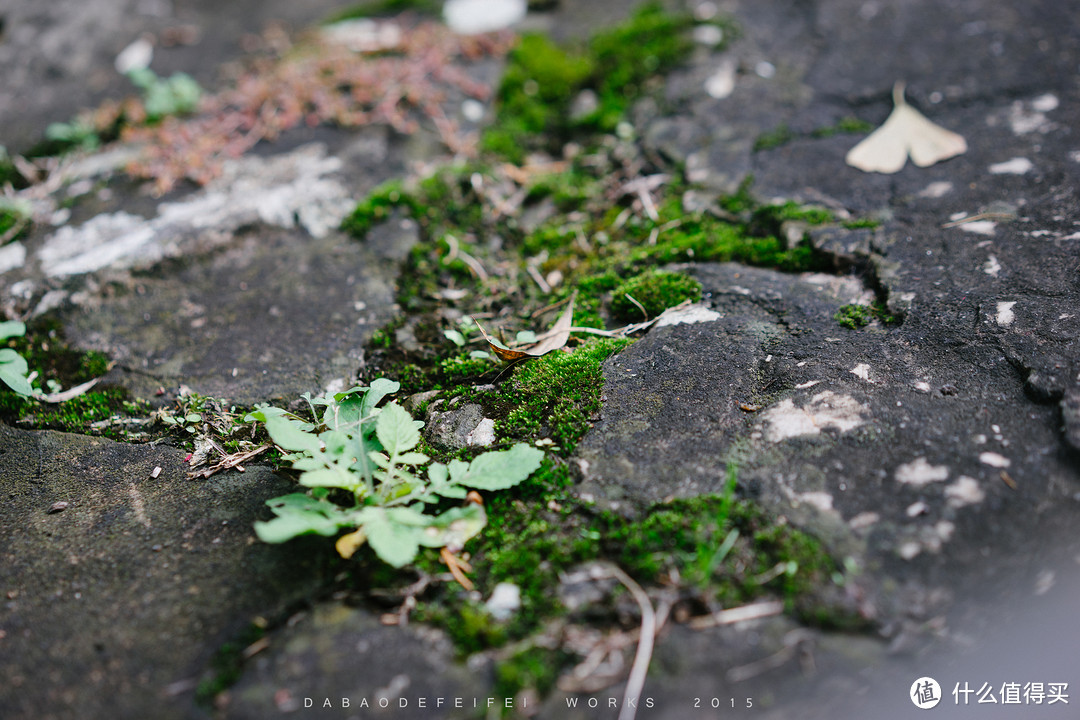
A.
x: 905, y: 132
x: 553, y: 339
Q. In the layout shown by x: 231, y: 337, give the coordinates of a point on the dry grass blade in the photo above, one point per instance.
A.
x: 70, y: 393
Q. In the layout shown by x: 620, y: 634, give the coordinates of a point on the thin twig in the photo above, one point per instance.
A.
x: 730, y: 616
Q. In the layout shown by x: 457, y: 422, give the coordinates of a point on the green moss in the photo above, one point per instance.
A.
x: 536, y: 668
x: 846, y: 125
x: 860, y: 223
x: 780, y: 135
x: 461, y: 367
x: 383, y: 8
x: 655, y: 291
x: 854, y: 317
x: 538, y: 86
x: 542, y: 79
x: 226, y: 665
x: 651, y: 43
x: 771, y: 216
x: 558, y: 394
x: 14, y: 215
x: 375, y: 208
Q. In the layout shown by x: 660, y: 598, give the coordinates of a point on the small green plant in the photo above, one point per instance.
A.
x: 79, y: 134
x: 13, y: 367
x: 15, y: 216
x: 177, y: 95
x: 706, y: 559
x: 653, y: 291
x: 370, y: 453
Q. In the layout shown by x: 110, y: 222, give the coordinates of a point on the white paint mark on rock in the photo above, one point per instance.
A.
x: 993, y: 459
x: 992, y: 266
x: 1005, y: 314
x: 862, y: 370
x: 979, y: 227
x: 965, y: 491
x: 479, y: 16
x: 826, y: 409
x: 687, y: 315
x: 918, y: 472
x: 1016, y: 166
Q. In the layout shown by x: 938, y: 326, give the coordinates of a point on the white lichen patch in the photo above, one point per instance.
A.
x: 1005, y: 315
x: 1030, y: 119
x: 863, y: 520
x: 936, y: 189
x: 721, y: 83
x: 919, y: 472
x: 12, y: 256
x: 909, y: 550
x: 979, y: 227
x: 862, y: 370
x: 1045, y: 103
x: 845, y: 289
x: 290, y: 189
x: 965, y: 491
x: 826, y: 409
x: 1016, y: 166
x: 917, y: 508
x: 823, y: 501
x: 993, y: 459
x: 688, y: 315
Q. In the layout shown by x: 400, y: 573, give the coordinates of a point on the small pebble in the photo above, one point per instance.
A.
x: 59, y: 507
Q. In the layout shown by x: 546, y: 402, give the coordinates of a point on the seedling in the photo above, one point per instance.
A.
x: 394, y: 491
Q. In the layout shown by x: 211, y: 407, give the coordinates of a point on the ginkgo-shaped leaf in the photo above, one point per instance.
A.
x: 905, y: 132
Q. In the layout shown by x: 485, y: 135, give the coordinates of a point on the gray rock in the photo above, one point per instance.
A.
x: 344, y: 654
x: 114, y: 606
x: 459, y: 427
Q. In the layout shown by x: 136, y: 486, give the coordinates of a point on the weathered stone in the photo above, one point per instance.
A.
x: 454, y: 428
x: 336, y: 652
x: 114, y: 606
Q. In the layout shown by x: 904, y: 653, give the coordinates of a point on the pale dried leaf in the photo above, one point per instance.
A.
x: 905, y: 132
x: 553, y: 339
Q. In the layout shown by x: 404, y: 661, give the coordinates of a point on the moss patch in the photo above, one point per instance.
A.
x: 558, y: 395
x: 654, y: 291
x: 854, y: 317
